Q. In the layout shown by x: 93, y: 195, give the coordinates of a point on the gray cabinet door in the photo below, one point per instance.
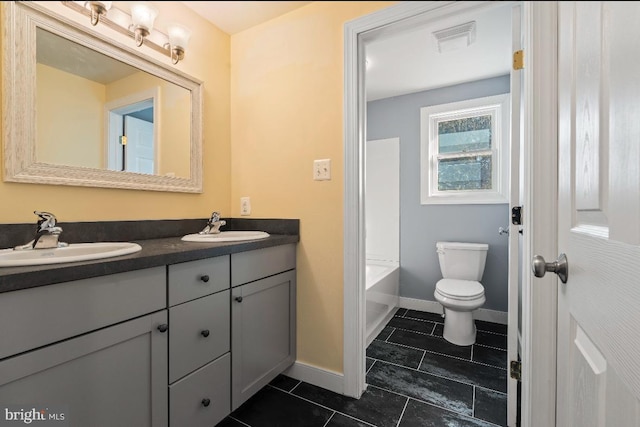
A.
x: 116, y: 376
x: 263, y: 333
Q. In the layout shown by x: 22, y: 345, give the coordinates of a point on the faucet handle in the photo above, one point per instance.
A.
x: 47, y: 220
x: 215, y: 217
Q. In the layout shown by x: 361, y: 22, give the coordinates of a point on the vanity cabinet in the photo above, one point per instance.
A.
x: 263, y: 318
x: 199, y: 342
x: 94, y: 350
x: 175, y: 345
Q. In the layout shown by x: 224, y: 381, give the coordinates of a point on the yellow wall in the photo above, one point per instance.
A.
x: 286, y: 111
x: 81, y: 144
x: 207, y: 59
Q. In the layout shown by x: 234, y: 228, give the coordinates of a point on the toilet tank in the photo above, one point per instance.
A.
x: 462, y: 261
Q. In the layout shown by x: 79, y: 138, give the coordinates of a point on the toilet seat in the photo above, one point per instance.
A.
x: 462, y: 290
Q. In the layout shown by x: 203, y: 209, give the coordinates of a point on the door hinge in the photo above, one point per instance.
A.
x: 518, y: 60
x: 516, y: 370
x: 123, y: 140
x: 516, y: 215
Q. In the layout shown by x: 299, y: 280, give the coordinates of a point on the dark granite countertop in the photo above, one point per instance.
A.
x: 155, y: 252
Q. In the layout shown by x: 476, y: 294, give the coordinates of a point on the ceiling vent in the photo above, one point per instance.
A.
x: 457, y: 37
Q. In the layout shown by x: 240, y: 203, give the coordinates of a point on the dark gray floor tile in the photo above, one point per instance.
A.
x: 384, y: 334
x: 490, y: 356
x: 491, y: 406
x: 430, y: 343
x: 284, y: 382
x: 401, y: 312
x: 339, y: 420
x: 497, y: 328
x: 424, y: 315
x: 394, y: 353
x: 271, y: 407
x: 230, y: 422
x: 438, y: 330
x: 429, y: 388
x: 491, y: 340
x: 369, y: 363
x: 420, y: 414
x: 375, y: 406
x: 465, y: 371
x: 423, y: 326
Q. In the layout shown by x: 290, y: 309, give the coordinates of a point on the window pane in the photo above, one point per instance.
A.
x: 462, y: 135
x: 465, y: 173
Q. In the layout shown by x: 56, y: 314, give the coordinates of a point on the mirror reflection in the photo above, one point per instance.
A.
x: 94, y: 111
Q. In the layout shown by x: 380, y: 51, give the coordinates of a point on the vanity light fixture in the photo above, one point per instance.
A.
x: 142, y: 19
x: 98, y: 9
x: 137, y: 24
x: 178, y: 39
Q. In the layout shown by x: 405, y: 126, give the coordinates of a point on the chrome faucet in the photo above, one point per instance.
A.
x: 47, y: 233
x: 214, y: 224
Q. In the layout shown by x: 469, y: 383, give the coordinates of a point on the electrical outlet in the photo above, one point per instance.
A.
x: 322, y: 170
x: 245, y: 206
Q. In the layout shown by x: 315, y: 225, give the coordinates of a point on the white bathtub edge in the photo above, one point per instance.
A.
x: 484, y: 314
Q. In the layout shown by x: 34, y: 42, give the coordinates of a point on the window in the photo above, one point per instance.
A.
x: 465, y: 151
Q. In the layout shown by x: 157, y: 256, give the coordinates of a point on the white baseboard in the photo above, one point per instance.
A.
x: 484, y: 314
x: 323, y: 378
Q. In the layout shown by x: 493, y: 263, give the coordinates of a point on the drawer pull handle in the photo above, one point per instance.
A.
x: 206, y: 402
x: 204, y: 278
x: 163, y: 327
x: 239, y: 299
x: 205, y: 333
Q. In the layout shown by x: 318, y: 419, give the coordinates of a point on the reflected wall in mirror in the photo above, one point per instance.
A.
x: 94, y: 113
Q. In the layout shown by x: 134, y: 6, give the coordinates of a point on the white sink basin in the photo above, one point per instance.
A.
x: 72, y: 253
x: 226, y: 236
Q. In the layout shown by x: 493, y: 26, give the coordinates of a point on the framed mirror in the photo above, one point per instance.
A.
x: 80, y: 109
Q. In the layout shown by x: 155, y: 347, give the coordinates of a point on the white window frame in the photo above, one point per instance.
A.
x: 499, y: 107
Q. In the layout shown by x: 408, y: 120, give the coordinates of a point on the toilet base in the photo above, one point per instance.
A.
x: 459, y: 327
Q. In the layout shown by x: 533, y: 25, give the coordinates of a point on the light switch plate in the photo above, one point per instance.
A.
x: 322, y: 170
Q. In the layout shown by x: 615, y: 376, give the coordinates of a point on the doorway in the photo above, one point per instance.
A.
x: 132, y: 143
x: 354, y: 219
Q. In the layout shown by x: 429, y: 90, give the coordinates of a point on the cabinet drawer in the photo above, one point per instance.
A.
x: 34, y: 317
x: 202, y: 399
x: 253, y: 265
x: 199, y: 331
x: 195, y: 279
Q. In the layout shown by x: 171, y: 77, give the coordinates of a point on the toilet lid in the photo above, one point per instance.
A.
x: 460, y: 289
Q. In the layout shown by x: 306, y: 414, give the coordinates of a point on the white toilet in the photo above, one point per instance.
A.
x: 460, y: 291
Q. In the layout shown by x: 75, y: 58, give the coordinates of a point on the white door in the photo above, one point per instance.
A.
x: 139, y: 150
x: 598, y: 366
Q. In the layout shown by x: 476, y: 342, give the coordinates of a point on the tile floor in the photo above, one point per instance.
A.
x: 414, y: 377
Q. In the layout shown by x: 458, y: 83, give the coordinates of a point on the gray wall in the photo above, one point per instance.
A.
x: 421, y: 226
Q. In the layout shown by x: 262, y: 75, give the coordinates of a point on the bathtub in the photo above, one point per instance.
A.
x: 382, y: 286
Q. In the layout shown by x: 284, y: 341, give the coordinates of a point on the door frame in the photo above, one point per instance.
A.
x: 539, y: 189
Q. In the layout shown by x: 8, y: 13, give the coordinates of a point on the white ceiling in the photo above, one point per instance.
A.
x: 410, y: 62
x: 235, y: 16
x: 402, y: 63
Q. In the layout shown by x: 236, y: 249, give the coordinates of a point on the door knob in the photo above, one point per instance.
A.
x: 560, y: 267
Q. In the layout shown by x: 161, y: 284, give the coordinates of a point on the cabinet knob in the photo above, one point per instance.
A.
x: 239, y: 299
x: 204, y: 278
x: 206, y: 402
x: 163, y: 327
x: 205, y: 333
